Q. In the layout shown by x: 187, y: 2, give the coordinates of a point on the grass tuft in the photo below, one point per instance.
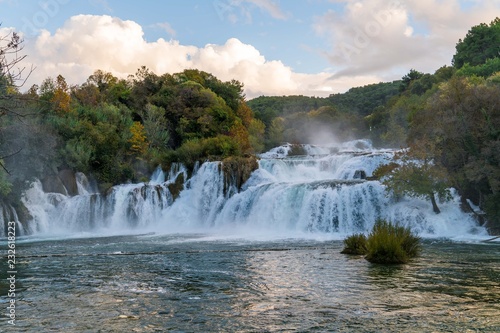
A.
x: 386, y: 244
x: 355, y: 244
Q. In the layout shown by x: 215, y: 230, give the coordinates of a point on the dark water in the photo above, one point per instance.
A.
x: 189, y: 283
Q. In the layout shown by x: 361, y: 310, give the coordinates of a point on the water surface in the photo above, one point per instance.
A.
x: 196, y: 283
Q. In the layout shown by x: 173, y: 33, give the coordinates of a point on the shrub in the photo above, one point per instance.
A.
x: 215, y: 148
x: 355, y: 244
x: 391, y: 244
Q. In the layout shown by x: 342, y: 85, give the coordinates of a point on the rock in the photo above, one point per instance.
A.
x: 176, y: 187
x: 359, y: 174
x: 237, y: 170
x: 53, y: 184
x: 68, y: 179
x: 127, y: 317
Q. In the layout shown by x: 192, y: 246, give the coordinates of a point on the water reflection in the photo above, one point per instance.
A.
x: 163, y: 284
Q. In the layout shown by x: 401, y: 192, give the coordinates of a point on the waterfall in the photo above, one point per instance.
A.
x: 9, y: 214
x: 324, y: 191
x: 123, y: 207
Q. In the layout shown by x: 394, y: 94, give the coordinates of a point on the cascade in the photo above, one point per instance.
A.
x: 324, y: 191
x: 9, y: 214
x: 123, y: 207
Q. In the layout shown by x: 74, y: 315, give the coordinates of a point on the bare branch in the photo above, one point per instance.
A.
x: 10, y: 57
x: 12, y: 154
x: 3, y: 167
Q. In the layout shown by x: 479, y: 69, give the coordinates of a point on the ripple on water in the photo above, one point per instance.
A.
x: 215, y: 286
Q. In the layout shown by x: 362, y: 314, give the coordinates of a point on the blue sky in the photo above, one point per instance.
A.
x: 311, y: 47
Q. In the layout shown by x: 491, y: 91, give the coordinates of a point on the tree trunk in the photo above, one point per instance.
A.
x: 435, y: 207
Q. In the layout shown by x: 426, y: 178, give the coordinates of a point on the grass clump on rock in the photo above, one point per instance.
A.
x: 386, y: 244
x: 355, y: 244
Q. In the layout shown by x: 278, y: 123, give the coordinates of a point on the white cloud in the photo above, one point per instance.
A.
x: 269, y: 6
x: 86, y: 43
x: 167, y: 28
x: 383, y: 38
x: 241, y: 10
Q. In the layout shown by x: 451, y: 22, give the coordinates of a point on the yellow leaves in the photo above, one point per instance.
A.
x: 139, y: 144
x: 240, y: 135
x: 245, y: 114
x: 61, y: 99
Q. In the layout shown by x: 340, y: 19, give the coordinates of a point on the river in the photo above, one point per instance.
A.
x: 208, y: 283
x: 263, y: 258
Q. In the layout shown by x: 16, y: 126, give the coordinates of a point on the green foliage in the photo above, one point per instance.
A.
x: 417, y: 176
x: 495, y: 78
x: 215, y: 148
x: 480, y: 44
x: 256, y: 131
x: 156, y: 127
x: 384, y: 170
x: 301, y: 118
x: 391, y: 244
x: 490, y: 67
x: 409, y: 78
x: 275, y: 133
x: 355, y: 244
x: 462, y: 122
x: 78, y: 153
x: 363, y: 100
x: 108, y: 123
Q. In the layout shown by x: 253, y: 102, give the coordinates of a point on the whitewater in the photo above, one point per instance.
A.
x: 324, y: 192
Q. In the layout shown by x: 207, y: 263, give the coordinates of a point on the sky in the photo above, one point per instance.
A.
x: 274, y: 47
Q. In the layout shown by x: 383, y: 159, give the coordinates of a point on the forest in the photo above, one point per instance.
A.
x: 118, y: 130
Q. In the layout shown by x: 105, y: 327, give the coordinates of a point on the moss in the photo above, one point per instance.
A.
x: 297, y: 150
x: 104, y: 188
x: 237, y: 170
x: 176, y: 187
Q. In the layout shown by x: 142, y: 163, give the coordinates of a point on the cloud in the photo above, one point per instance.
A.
x: 86, y: 43
x: 379, y: 37
x: 167, y: 28
x: 241, y: 10
x: 102, y: 4
x: 271, y: 7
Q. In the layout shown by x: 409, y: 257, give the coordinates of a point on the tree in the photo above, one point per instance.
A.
x: 418, y: 175
x: 156, y: 127
x: 61, y: 99
x: 276, y: 131
x: 481, y: 43
x: 11, y: 47
x: 256, y: 131
x: 138, y: 141
x: 11, y: 78
x: 462, y: 120
x: 409, y: 78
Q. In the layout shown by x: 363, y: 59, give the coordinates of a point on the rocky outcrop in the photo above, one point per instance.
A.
x: 16, y: 212
x: 176, y: 187
x: 53, y: 184
x: 360, y: 174
x: 68, y: 179
x: 64, y: 183
x: 237, y: 170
